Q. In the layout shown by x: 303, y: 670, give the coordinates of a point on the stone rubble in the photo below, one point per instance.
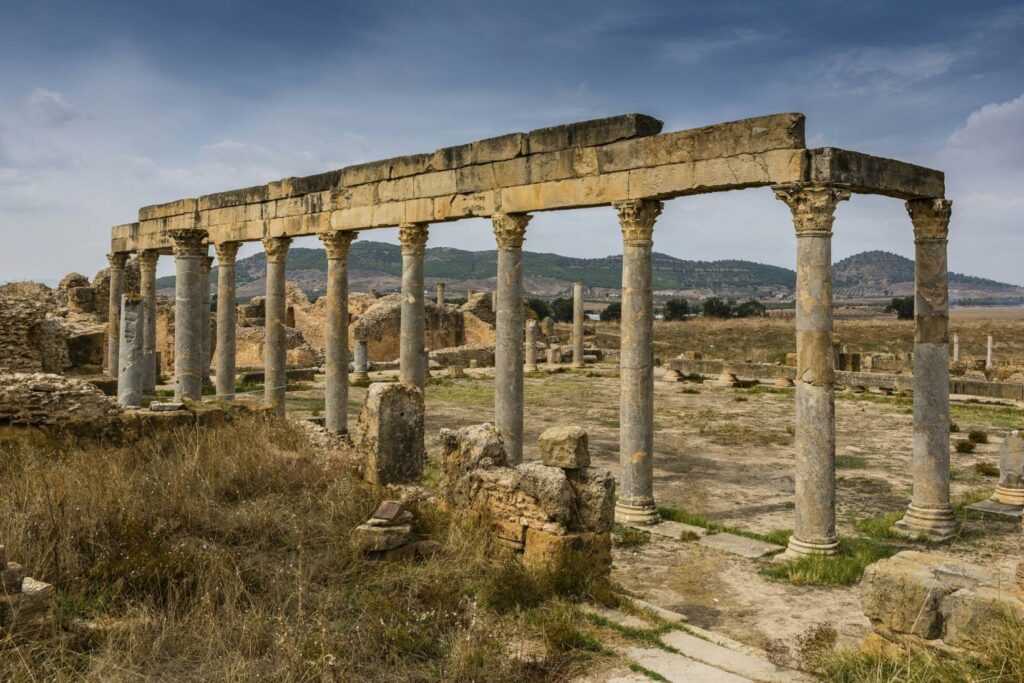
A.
x: 24, y: 602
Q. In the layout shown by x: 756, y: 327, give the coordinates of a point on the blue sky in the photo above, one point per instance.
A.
x: 108, y: 106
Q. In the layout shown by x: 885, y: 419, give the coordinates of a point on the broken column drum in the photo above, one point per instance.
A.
x: 636, y: 364
x: 813, y: 208
x: 361, y: 361
x: 188, y: 339
x: 531, y: 346
x: 275, y: 352
x: 1010, y: 489
x: 130, y: 358
x: 930, y: 512
x: 509, y: 232
x: 116, y: 261
x: 440, y: 294
x: 147, y: 290
x: 337, y: 245
x: 226, y: 320
x: 412, y: 361
x: 577, y: 324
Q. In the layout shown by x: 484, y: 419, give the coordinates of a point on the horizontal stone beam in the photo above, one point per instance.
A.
x: 874, y: 175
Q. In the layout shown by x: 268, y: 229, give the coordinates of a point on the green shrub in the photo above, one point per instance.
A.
x: 978, y: 436
x: 964, y: 447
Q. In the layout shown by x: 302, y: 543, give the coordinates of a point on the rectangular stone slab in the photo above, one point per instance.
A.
x: 993, y: 507
x: 676, y: 530
x: 740, y: 545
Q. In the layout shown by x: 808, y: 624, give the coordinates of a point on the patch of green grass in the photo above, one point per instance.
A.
x: 977, y: 436
x: 467, y: 391
x: 653, y: 675
x: 875, y: 398
x: 964, y: 447
x: 843, y: 569
x: 851, y: 462
x: 880, y: 527
x: 644, y: 636
x: 970, y: 499
x: 778, y: 537
x: 986, y: 469
x: 629, y: 537
x: 1002, y: 417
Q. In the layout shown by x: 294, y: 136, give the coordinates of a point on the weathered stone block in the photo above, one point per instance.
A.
x: 389, y: 433
x: 471, y: 448
x: 511, y: 172
x: 435, y: 184
x: 901, y: 593
x: 375, y: 539
x: 969, y: 614
x: 595, y: 132
x: 544, y: 550
x: 551, y: 166
x: 475, y: 178
x: 595, y: 498
x: 499, y: 148
x: 564, y: 446
x: 365, y: 173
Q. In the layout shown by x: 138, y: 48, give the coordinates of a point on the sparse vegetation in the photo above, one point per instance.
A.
x: 977, y: 436
x: 842, y: 569
x: 965, y: 447
x: 778, y: 537
x: 986, y: 469
x: 629, y: 537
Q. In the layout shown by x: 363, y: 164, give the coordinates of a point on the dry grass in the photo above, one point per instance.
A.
x: 225, y: 555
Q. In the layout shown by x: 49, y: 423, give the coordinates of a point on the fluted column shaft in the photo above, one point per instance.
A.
x: 147, y: 290
x: 116, y: 280
x: 275, y: 350
x: 226, y: 319
x: 577, y: 324
x: 412, y: 365
x: 336, y: 395
x: 188, y: 338
x: 509, y: 232
x: 813, y: 208
x: 636, y: 363
x: 930, y: 512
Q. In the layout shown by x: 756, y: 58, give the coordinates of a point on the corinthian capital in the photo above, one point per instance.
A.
x: 813, y: 206
x: 930, y: 218
x: 117, y: 259
x: 636, y: 218
x: 337, y: 243
x: 188, y: 242
x: 148, y: 259
x: 226, y: 252
x: 413, y: 237
x: 276, y: 248
x: 510, y: 229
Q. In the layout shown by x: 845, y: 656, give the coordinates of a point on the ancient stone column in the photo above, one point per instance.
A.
x: 336, y: 333
x: 531, y: 346
x: 813, y: 208
x: 147, y: 290
x: 1010, y: 489
x: 635, y: 502
x: 956, y: 347
x: 116, y: 261
x: 130, y: 358
x: 440, y: 294
x: 412, y: 368
x: 930, y: 512
x: 275, y: 350
x: 577, y: 324
x: 509, y: 231
x: 205, y: 266
x: 989, y: 362
x: 361, y: 361
x: 226, y: 319
x: 188, y: 336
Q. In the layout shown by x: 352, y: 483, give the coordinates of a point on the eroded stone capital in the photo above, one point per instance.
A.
x: 188, y: 242
x: 510, y: 229
x: 636, y: 218
x: 337, y: 243
x: 413, y: 237
x: 276, y: 248
x: 226, y: 252
x: 813, y: 206
x: 205, y: 264
x: 117, y: 259
x: 147, y: 260
x: 930, y: 218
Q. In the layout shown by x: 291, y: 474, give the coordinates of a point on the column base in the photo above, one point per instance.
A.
x: 797, y: 549
x: 577, y: 366
x: 225, y: 397
x: 359, y: 376
x: 935, y: 524
x: 1008, y: 496
x: 530, y: 368
x: 636, y: 514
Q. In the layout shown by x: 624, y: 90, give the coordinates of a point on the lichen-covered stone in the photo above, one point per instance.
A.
x: 564, y: 446
x: 545, y: 550
x: 389, y: 434
x: 594, y: 489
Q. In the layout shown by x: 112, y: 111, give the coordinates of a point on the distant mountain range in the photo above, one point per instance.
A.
x: 376, y: 265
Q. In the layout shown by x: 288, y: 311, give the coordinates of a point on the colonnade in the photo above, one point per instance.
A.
x: 813, y: 210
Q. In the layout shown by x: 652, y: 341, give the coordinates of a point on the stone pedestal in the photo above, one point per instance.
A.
x: 930, y: 512
x: 554, y: 356
x: 813, y: 208
x: 188, y: 340
x: 635, y: 502
x: 275, y: 351
x: 116, y: 261
x: 147, y: 290
x: 412, y: 367
x: 577, y: 324
x: 360, y: 362
x: 531, y: 346
x: 1010, y: 490
x: 336, y: 393
x: 130, y: 357
x: 389, y: 434
x: 226, y: 319
x: 509, y: 231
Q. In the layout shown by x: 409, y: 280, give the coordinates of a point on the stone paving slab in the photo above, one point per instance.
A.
x: 994, y: 507
x: 739, y: 663
x: 740, y: 545
x: 675, y: 530
x: 680, y: 669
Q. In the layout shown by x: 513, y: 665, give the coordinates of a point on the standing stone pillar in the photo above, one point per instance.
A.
x: 361, y: 361
x: 509, y: 231
x: 577, y: 324
x: 440, y: 294
x: 116, y: 261
x: 989, y: 361
x: 412, y: 368
x: 956, y: 347
x: 205, y: 267
x: 275, y: 350
x: 130, y: 358
x: 813, y: 208
x: 147, y: 290
x: 930, y: 512
x: 336, y: 333
x: 531, y: 346
x: 635, y: 502
x: 188, y: 339
x: 226, y: 319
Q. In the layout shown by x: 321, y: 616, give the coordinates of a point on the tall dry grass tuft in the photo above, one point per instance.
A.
x: 225, y: 555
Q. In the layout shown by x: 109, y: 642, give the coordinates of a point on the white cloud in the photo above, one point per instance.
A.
x: 870, y: 69
x: 49, y: 108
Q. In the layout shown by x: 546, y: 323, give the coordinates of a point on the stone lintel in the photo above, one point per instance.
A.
x: 175, y: 208
x: 867, y: 174
x: 593, y: 132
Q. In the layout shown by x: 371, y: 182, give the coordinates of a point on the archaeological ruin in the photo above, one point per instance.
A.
x: 626, y: 163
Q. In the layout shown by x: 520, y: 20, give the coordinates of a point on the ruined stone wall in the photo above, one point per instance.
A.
x: 462, y: 355
x: 39, y: 399
x: 30, y: 340
x: 381, y: 324
x: 101, y: 286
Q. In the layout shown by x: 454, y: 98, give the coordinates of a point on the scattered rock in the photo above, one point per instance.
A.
x: 565, y: 447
